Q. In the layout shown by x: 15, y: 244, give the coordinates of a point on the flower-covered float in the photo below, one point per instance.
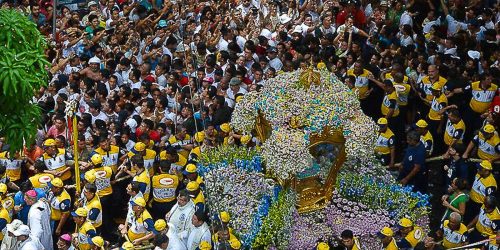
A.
x: 315, y: 174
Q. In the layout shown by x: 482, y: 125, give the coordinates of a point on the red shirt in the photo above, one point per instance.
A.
x: 359, y: 17
x: 153, y: 134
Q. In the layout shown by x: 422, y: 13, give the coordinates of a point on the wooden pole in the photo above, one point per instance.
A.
x: 75, y: 150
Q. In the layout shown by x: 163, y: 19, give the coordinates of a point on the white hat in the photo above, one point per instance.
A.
x: 297, y: 29
x: 95, y: 59
x: 452, y: 51
x: 384, y: 3
x: 474, y: 54
x: 14, y: 225
x: 132, y: 124
x: 22, y: 230
x: 91, y: 3
x: 266, y: 33
x: 284, y: 19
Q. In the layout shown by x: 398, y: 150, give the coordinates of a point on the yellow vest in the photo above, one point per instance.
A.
x: 13, y: 166
x: 94, y: 203
x: 451, y: 129
x: 435, y: 107
x: 109, y: 158
x: 174, y: 141
x: 56, y: 204
x: 392, y: 245
x: 485, y: 224
x: 478, y: 191
x: 356, y: 245
x: 387, y: 102
x: 481, y: 99
x: 103, y: 180
x: 8, y: 203
x: 361, y: 83
x: 195, y: 153
x: 164, y: 186
x: 383, y: 141
x: 403, y: 94
x: 144, y: 178
x: 428, y: 142
x: 41, y: 180
x: 452, y: 238
x: 4, y: 214
x: 415, y: 236
x: 486, y: 149
x: 427, y: 84
x: 149, y: 159
x: 83, y: 238
x: 138, y: 226
x: 200, y: 198
x: 57, y: 163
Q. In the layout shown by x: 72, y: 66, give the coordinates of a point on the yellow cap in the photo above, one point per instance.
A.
x: 163, y: 155
x: 128, y: 246
x: 96, y: 159
x: 192, y: 186
x: 204, y: 245
x: 486, y: 165
x: 191, y: 168
x: 139, y: 201
x: 225, y: 127
x: 82, y: 212
x: 239, y: 98
x: 323, y: 246
x: 89, y: 177
x: 382, y: 121
x: 422, y: 124
x: 436, y: 86
x: 405, y: 222
x: 98, y: 241
x: 3, y: 188
x: 386, y: 231
x: 235, y: 243
x: 199, y: 136
x: 224, y: 216
x: 140, y: 146
x: 160, y: 225
x: 489, y: 128
x: 57, y: 182
x: 245, y: 139
x: 49, y: 143
x: 321, y: 65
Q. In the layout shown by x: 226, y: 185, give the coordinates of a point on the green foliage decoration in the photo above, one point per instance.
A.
x: 22, y: 72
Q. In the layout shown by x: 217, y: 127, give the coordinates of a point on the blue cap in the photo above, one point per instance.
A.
x: 162, y: 23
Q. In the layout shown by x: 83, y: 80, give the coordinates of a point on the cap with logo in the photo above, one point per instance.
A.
x: 96, y: 159
x: 49, y: 143
x: 192, y: 186
x: 225, y: 127
x: 488, y: 128
x: 82, y: 212
x: 486, y: 165
x: 385, y: 232
x: 405, y: 222
x: 199, y: 136
x: 160, y: 225
x: 139, y: 201
x: 421, y: 123
x: 140, y: 146
x: 57, y: 182
x: 382, y: 121
x: 190, y: 169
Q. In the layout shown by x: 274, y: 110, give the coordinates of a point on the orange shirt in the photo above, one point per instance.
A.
x: 33, y: 154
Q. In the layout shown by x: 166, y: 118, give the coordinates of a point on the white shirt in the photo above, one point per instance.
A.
x: 180, y: 217
x: 39, y: 223
x: 231, y: 96
x: 197, y: 235
x: 100, y: 116
x: 30, y: 244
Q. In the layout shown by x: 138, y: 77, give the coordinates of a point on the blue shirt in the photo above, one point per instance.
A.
x: 414, y: 155
x: 19, y: 201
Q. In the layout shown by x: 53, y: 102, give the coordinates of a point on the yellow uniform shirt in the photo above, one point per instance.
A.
x: 385, y: 142
x: 8, y: 203
x: 59, y: 204
x: 144, y: 180
x: 454, y: 238
x: 200, y: 198
x: 4, y: 215
x: 412, y: 239
x: 140, y: 226
x: 85, y: 232
x: 454, y: 131
x: 392, y: 245
x: 481, y: 99
x: 195, y: 153
x: 482, y: 187
x: 403, y: 90
x: 390, y: 101
x: 57, y: 163
x: 173, y: 141
x: 95, y: 204
x: 109, y: 158
x: 41, y: 180
x: 487, y: 149
x: 488, y: 223
x: 149, y: 159
x: 427, y: 84
x: 361, y: 83
x: 428, y: 142
x: 356, y: 245
x: 437, y: 104
x: 13, y: 166
x: 164, y: 187
x: 103, y: 180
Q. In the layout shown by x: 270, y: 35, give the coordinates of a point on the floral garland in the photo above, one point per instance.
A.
x: 238, y: 192
x: 276, y: 227
x: 286, y: 153
x: 227, y: 153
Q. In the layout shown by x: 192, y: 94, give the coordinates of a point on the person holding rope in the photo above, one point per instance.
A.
x: 486, y: 225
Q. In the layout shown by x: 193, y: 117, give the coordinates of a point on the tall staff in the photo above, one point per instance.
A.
x: 71, y: 112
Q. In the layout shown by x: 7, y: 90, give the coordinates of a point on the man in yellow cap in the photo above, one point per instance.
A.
x: 164, y: 187
x: 224, y: 219
x: 453, y: 232
x: 55, y: 160
x: 141, y: 228
x: 411, y: 234
x: 191, y: 173
x: 195, y: 192
x: 96, y: 243
x: 161, y: 226
x: 425, y: 136
x: 6, y: 200
x: 195, y: 153
x: 84, y: 229
x: 181, y: 141
x: 147, y: 155
x: 385, y: 145
x: 484, y: 185
x: 487, y: 223
x: 437, y: 102
x: 487, y: 142
x: 110, y: 153
x: 386, y: 236
x: 60, y: 205
x: 223, y: 136
x: 204, y: 245
x: 5, y: 217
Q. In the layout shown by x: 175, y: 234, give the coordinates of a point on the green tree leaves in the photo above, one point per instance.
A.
x: 22, y: 72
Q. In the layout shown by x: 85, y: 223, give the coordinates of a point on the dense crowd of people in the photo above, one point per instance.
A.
x: 156, y: 82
